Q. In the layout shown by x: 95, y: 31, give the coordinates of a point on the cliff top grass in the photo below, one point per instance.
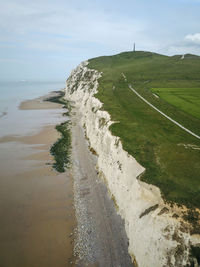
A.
x: 170, y: 155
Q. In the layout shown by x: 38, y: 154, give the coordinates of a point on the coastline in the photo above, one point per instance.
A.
x: 153, y: 227
x: 40, y: 102
x: 100, y: 239
x: 36, y: 204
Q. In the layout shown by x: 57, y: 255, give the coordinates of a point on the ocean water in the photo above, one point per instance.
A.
x: 14, y: 121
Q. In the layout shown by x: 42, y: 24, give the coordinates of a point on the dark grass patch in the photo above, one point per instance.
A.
x: 147, y: 211
x: 59, y: 98
x: 195, y: 254
x: 193, y: 217
x: 61, y: 148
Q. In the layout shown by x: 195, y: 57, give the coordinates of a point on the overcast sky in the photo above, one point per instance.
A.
x: 45, y: 39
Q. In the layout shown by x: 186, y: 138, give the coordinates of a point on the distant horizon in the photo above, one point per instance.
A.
x: 60, y: 80
x: 32, y: 80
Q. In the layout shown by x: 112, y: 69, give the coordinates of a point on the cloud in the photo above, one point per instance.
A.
x: 69, y: 31
x: 44, y: 25
x: 189, y: 44
x: 194, y: 38
x: 21, y: 21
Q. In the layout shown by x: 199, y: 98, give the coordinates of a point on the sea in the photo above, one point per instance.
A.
x: 36, y: 202
x: 14, y: 121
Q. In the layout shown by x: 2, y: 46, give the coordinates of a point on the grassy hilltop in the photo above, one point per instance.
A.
x: 170, y: 155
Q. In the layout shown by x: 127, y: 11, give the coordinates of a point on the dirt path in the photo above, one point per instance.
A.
x: 101, y: 238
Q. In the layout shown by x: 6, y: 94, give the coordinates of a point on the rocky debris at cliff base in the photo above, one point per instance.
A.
x: 100, y: 237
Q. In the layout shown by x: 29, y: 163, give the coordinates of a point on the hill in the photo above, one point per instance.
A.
x: 172, y: 84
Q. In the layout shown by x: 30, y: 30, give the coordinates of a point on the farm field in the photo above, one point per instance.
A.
x: 186, y: 99
x: 170, y: 155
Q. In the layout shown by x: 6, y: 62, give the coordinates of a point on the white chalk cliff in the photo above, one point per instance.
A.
x: 157, y: 236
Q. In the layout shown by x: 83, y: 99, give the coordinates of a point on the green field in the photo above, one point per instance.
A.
x: 186, y: 99
x: 170, y: 155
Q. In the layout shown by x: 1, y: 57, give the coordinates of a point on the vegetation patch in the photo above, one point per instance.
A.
x: 115, y: 202
x: 192, y: 216
x: 93, y: 151
x: 195, y: 255
x: 147, y: 211
x: 147, y: 135
x: 163, y: 210
x: 59, y: 98
x: 102, y: 122
x: 61, y: 148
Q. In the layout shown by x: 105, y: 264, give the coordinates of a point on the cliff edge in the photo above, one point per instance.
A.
x: 158, y: 235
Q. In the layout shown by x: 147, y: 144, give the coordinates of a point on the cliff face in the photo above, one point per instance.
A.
x: 156, y: 236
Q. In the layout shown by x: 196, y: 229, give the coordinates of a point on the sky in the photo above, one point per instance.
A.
x: 45, y: 39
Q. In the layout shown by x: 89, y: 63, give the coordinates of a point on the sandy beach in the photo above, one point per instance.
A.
x: 40, y: 103
x: 36, y: 202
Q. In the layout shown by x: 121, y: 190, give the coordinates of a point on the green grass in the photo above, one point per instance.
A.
x: 186, y: 99
x: 145, y: 134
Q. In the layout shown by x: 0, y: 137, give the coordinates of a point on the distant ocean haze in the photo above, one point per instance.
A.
x: 14, y: 121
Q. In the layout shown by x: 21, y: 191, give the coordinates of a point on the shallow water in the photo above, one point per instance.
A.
x: 36, y: 202
x: 13, y: 93
x: 14, y: 121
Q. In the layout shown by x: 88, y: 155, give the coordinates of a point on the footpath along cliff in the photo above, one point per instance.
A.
x: 158, y: 236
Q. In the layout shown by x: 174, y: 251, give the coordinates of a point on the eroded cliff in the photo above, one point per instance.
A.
x: 158, y: 236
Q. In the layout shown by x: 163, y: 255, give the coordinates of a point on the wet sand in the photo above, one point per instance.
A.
x: 36, y: 203
x: 40, y: 103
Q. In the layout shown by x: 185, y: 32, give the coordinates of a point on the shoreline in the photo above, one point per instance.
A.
x: 40, y: 102
x: 37, y: 198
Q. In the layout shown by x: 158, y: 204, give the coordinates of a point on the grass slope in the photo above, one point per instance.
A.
x: 166, y: 151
